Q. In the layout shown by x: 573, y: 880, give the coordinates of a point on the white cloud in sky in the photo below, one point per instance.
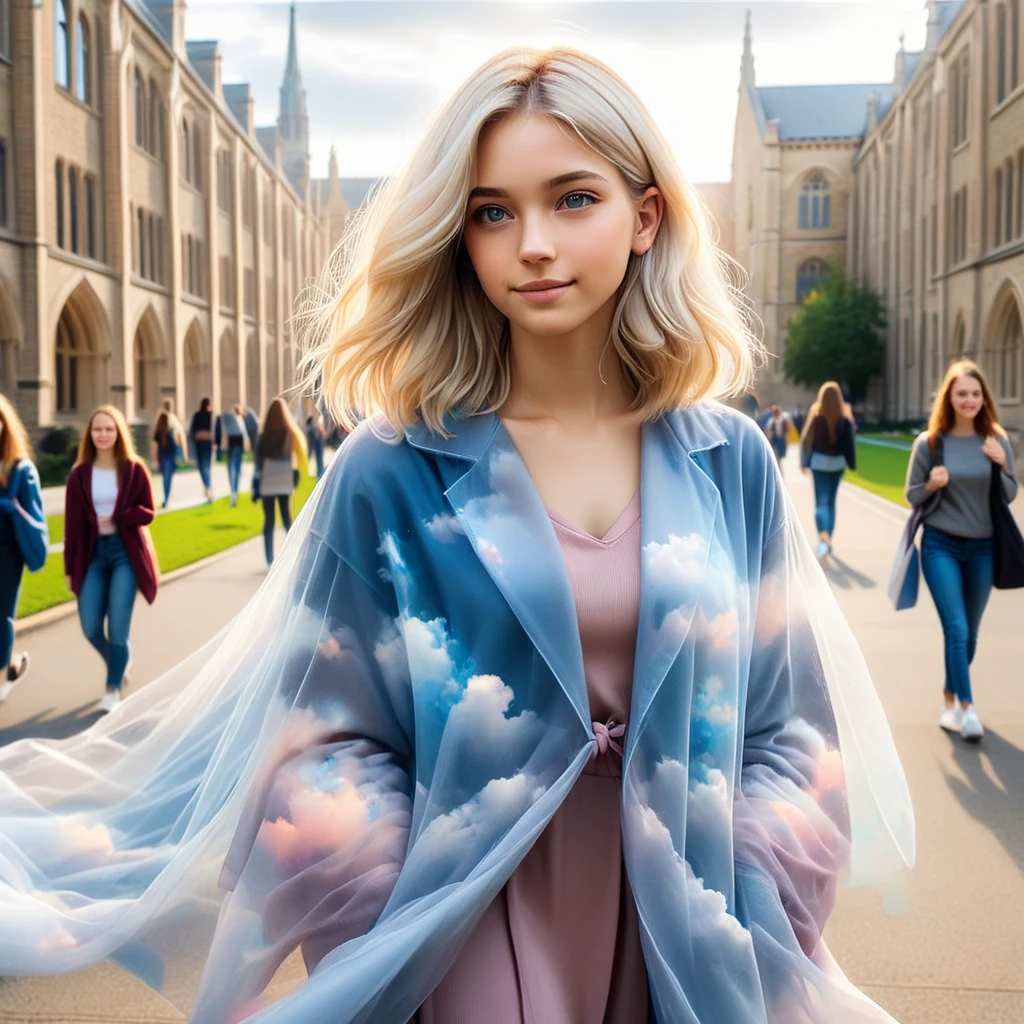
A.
x: 375, y: 71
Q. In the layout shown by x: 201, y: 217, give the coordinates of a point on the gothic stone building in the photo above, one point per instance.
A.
x: 152, y: 238
x: 915, y: 185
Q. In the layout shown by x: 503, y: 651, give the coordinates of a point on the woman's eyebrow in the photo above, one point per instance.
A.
x: 482, y: 191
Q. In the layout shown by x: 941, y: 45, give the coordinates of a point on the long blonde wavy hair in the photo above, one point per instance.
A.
x: 398, y: 322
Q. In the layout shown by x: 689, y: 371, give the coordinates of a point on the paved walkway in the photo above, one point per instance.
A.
x: 953, y: 957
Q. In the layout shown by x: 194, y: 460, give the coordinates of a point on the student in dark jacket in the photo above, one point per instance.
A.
x: 200, y: 432
x: 827, y: 449
x: 21, y: 497
x: 108, y: 553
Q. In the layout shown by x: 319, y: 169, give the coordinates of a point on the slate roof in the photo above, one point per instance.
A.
x: 820, y: 111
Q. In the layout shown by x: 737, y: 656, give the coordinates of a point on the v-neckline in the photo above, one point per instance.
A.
x: 627, y: 518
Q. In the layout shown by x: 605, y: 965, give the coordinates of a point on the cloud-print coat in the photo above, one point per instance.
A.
x: 357, y: 764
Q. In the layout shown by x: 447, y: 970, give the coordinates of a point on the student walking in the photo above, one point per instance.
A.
x: 280, y: 460
x: 168, y: 441
x: 538, y: 717
x: 827, y: 449
x: 108, y: 553
x: 24, y: 537
x: 776, y: 429
x: 230, y: 435
x: 950, y: 473
x: 200, y: 433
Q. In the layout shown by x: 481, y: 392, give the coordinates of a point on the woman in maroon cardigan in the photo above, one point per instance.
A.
x: 108, y: 553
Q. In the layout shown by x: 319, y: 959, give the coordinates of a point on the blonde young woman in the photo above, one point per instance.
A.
x: 950, y: 472
x: 24, y: 537
x: 108, y: 556
x: 827, y: 448
x: 532, y: 718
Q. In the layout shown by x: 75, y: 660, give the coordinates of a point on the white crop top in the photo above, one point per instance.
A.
x: 104, y: 490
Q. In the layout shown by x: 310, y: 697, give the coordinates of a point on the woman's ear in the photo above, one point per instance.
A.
x: 649, y: 213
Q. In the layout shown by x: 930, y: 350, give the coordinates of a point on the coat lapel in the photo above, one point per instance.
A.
x: 679, y: 504
x: 502, y: 514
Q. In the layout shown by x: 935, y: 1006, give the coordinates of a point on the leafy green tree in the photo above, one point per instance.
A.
x: 837, y: 335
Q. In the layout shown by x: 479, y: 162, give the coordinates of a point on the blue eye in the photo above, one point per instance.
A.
x: 489, y: 214
x: 578, y: 200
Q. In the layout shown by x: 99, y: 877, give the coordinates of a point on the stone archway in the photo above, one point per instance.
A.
x: 197, y: 370
x: 10, y: 343
x: 147, y: 355
x: 228, y: 369
x: 1004, y: 342
x: 80, y: 350
x: 253, y: 398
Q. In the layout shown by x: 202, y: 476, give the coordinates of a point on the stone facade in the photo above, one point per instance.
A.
x: 925, y: 183
x: 152, y: 239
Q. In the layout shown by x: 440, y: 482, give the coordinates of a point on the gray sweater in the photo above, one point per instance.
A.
x: 963, y: 510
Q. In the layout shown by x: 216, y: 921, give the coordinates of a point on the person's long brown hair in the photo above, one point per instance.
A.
x: 828, y: 406
x: 14, y: 443
x: 278, y: 427
x: 124, y: 447
x: 163, y: 426
x: 943, y: 416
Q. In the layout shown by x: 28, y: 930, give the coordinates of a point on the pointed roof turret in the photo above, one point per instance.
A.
x: 747, y: 77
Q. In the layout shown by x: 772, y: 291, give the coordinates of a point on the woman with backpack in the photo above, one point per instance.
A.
x: 108, y: 553
x: 24, y: 538
x: 281, y: 459
x: 200, y: 432
x: 827, y: 448
x: 951, y: 470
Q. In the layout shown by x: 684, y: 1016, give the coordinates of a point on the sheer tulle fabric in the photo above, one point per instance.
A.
x: 356, y: 765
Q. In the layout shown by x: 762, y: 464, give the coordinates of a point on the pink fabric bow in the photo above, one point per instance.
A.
x: 606, y: 735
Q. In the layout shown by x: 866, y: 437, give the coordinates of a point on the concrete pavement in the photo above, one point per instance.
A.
x: 953, y: 956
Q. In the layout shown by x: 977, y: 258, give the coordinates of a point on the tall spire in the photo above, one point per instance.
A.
x: 747, y: 77
x: 293, y: 121
x: 291, y: 68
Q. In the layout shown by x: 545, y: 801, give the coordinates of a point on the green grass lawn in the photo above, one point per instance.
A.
x: 881, y: 471
x: 180, y: 539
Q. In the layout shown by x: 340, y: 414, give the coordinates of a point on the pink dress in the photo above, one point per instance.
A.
x: 561, y: 943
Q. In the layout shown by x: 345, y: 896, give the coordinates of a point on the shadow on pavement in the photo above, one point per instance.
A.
x: 993, y: 797
x: 843, y: 575
x: 40, y: 726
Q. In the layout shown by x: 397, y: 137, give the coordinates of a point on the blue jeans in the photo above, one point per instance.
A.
x: 959, y: 574
x: 108, y: 592
x: 12, y: 565
x: 204, y: 457
x: 234, y: 469
x: 284, y: 503
x: 826, y: 485
x: 167, y: 466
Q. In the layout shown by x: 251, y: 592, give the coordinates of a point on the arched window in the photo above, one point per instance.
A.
x: 98, y: 47
x: 156, y: 142
x: 140, y: 110
x: 62, y: 46
x: 1003, y: 351
x: 66, y: 354
x: 186, y: 149
x: 815, y: 202
x: 83, y: 72
x: 197, y: 166
x: 809, y: 276
x: 73, y: 208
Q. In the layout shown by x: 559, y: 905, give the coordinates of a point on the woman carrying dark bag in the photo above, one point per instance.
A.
x: 24, y: 538
x: 962, y: 471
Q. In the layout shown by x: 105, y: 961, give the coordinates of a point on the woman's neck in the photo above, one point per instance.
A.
x: 105, y: 460
x: 963, y: 427
x: 565, y: 378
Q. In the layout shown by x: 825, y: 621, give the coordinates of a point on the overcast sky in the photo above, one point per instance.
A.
x: 374, y: 72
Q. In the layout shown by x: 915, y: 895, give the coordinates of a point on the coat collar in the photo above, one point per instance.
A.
x: 505, y: 520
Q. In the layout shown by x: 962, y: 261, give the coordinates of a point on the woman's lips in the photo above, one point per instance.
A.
x: 543, y: 292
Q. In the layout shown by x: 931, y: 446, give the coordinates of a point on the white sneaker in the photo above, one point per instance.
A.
x: 971, y: 728
x: 5, y: 690
x: 821, y: 550
x: 109, y: 701
x: 952, y: 718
